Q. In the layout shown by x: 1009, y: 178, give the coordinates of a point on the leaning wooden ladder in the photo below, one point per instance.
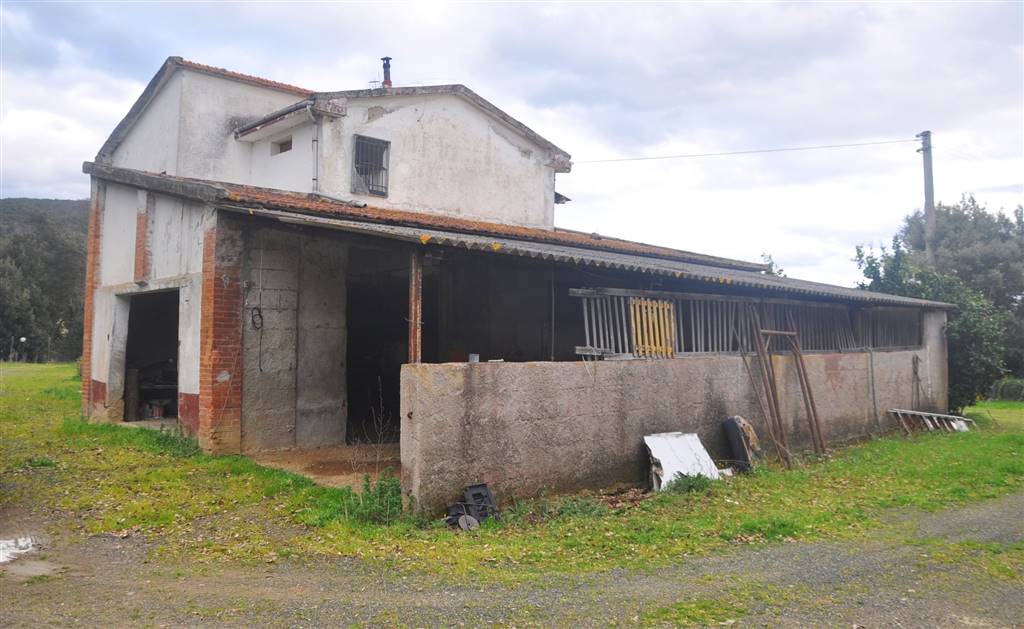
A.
x: 761, y: 338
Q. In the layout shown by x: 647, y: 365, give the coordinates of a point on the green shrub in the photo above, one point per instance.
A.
x: 1008, y: 388
x: 685, y: 484
x: 379, y: 502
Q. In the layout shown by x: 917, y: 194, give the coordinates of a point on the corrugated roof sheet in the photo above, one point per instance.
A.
x: 304, y: 203
x: 606, y: 259
x: 314, y: 204
x: 431, y: 229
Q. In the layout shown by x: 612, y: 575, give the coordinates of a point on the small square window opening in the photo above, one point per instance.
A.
x: 371, y: 166
x: 281, y: 146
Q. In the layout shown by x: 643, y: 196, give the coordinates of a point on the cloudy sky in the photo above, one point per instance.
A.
x: 603, y: 81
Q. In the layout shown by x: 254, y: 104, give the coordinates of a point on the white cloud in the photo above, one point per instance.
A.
x: 600, y: 81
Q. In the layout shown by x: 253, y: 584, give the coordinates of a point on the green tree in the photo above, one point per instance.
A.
x: 42, y: 276
x: 975, y: 331
x: 986, y: 251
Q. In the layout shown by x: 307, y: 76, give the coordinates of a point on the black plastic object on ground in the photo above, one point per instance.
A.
x: 478, y: 503
x: 746, y: 451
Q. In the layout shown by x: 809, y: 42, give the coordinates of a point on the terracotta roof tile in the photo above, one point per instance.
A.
x: 235, y: 195
x: 245, y: 78
x: 312, y: 204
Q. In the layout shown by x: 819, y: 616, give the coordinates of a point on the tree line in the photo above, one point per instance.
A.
x: 979, y: 267
x: 42, y: 278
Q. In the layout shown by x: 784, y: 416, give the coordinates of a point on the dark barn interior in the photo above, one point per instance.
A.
x: 151, y: 357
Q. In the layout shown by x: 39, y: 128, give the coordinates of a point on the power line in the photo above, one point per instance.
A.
x: 776, y: 150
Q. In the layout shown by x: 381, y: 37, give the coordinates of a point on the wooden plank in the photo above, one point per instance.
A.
x: 415, y: 306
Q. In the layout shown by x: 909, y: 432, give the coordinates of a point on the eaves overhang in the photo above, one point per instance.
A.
x: 602, y: 259
x: 420, y: 229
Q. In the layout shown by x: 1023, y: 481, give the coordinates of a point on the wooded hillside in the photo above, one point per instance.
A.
x: 42, y: 275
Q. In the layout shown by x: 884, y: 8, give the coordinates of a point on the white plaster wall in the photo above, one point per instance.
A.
x: 117, y: 240
x: 176, y: 232
x: 291, y: 170
x: 211, y: 109
x: 176, y: 237
x: 446, y: 157
x: 102, y: 305
x: 152, y: 144
x: 190, y: 302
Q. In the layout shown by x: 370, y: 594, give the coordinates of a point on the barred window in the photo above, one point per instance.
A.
x: 371, y: 166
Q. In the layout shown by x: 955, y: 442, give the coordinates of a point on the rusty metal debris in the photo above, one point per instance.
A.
x: 762, y: 339
x: 923, y: 421
x: 743, y: 442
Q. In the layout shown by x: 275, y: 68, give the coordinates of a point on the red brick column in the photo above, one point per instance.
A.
x: 220, y: 361
x: 92, y: 392
x: 142, y: 244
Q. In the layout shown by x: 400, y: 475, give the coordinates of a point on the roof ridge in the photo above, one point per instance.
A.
x: 240, y: 76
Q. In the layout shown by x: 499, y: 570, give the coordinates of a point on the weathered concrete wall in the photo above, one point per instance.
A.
x: 446, y: 157
x: 527, y: 427
x: 211, y: 109
x: 117, y: 243
x: 152, y: 144
x: 171, y: 233
x: 188, y: 129
x: 294, y: 363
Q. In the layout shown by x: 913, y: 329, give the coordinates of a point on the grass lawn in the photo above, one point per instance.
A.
x: 111, y: 479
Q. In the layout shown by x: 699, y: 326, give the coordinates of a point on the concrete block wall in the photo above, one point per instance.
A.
x: 528, y: 427
x: 294, y: 358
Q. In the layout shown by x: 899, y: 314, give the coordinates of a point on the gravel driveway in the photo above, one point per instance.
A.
x: 902, y: 574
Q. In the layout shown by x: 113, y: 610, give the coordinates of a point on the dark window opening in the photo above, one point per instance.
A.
x: 151, y: 357
x: 371, y: 166
x: 281, y: 147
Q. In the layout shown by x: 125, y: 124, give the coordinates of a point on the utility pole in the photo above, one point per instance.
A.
x: 929, y: 198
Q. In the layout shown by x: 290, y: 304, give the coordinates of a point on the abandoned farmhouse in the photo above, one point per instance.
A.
x: 280, y: 269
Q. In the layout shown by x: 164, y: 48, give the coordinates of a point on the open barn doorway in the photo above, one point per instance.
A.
x: 378, y: 345
x: 151, y: 357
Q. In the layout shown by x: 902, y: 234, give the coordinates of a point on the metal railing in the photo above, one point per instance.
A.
x: 624, y: 323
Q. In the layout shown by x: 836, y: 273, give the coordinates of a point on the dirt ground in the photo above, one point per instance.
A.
x: 338, y: 466
x: 875, y: 581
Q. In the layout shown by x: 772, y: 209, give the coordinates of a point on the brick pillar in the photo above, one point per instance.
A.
x: 142, y: 244
x: 92, y: 280
x: 220, y: 361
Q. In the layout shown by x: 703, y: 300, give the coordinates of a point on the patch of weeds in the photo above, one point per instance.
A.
x: 379, y: 502
x: 548, y: 508
x: 173, y: 443
x: 39, y: 461
x: 999, y: 561
x: 68, y: 391
x: 39, y: 578
x: 687, y: 484
x: 697, y: 612
x: 767, y: 528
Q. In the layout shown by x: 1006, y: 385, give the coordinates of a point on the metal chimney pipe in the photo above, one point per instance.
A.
x: 387, y: 71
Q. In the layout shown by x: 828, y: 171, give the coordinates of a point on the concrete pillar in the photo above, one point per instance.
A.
x: 933, y: 336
